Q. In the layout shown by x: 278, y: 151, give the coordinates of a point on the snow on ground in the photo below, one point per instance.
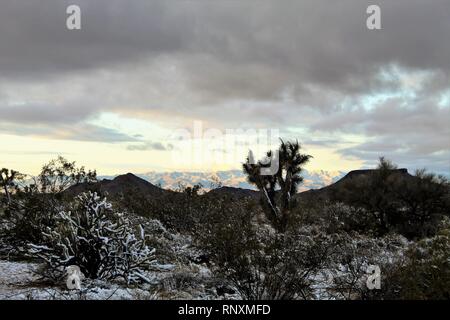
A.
x: 18, y: 281
x: 15, y: 279
x: 176, y: 276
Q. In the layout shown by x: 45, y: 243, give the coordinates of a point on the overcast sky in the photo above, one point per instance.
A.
x: 110, y: 95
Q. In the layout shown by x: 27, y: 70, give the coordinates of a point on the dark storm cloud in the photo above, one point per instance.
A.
x: 42, y: 113
x: 34, y: 40
x: 313, y: 41
x: 416, y: 135
x: 308, y: 64
x: 75, y: 131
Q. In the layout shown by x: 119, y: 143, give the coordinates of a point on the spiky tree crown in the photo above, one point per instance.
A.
x: 284, y: 179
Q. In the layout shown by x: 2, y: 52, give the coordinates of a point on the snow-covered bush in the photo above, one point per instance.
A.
x: 422, y: 273
x: 353, y: 259
x: 279, y: 267
x: 95, y: 238
x: 260, y: 263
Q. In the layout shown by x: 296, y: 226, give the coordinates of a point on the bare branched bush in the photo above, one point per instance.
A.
x: 35, y: 205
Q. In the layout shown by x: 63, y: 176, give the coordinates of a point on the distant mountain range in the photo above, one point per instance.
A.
x: 231, y: 178
x: 155, y: 185
x: 123, y: 184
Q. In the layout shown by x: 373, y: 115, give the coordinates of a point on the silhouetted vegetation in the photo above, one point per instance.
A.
x: 280, y: 245
x: 279, y: 184
x: 398, y: 202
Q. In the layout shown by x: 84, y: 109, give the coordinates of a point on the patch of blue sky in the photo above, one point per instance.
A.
x: 140, y: 129
x: 444, y: 100
x: 403, y: 77
x: 372, y: 101
x: 401, y: 84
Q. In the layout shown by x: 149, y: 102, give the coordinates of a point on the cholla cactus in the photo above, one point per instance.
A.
x: 98, y: 240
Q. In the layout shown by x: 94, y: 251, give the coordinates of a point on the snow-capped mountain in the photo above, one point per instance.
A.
x: 231, y: 178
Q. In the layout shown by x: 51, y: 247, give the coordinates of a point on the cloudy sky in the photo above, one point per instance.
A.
x: 111, y: 95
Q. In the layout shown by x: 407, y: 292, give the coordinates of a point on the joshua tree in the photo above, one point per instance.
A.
x: 278, y: 187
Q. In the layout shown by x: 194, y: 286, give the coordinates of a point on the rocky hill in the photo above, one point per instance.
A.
x: 354, y: 176
x: 123, y: 184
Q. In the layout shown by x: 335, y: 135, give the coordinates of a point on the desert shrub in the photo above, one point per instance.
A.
x: 354, y: 255
x: 9, y: 184
x: 30, y: 216
x: 279, y: 266
x: 339, y: 217
x: 222, y: 225
x: 424, y: 201
x: 398, y: 202
x: 180, y: 281
x: 259, y: 262
x: 177, y: 211
x: 422, y: 274
x: 95, y: 238
x: 34, y: 206
x: 60, y: 174
x: 374, y: 193
x: 333, y: 217
x: 186, y: 212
